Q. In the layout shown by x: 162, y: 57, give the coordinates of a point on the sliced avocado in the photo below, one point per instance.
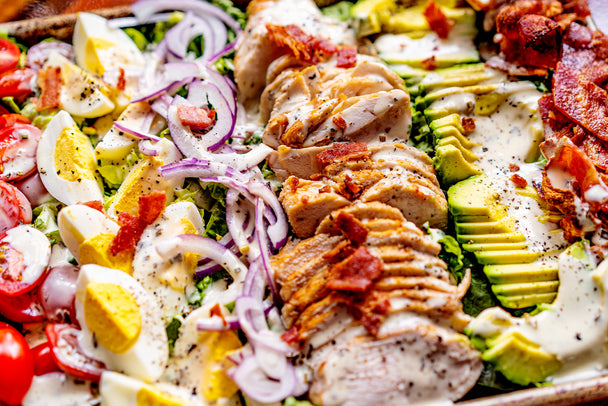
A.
x: 504, y: 225
x: 452, y: 164
x: 435, y: 114
x: 453, y: 132
x: 491, y: 238
x: 485, y: 246
x: 520, y: 360
x: 453, y: 120
x: 525, y: 288
x: 368, y: 15
x: 507, y: 274
x: 413, y: 19
x: 475, y: 196
x: 455, y: 142
x: 507, y: 257
x: 474, y: 78
x: 488, y: 103
x: 523, y: 301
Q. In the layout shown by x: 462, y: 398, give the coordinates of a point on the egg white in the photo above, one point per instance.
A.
x: 156, y: 274
x: 81, y: 93
x: 66, y: 191
x: 78, y: 223
x: 120, y: 390
x: 147, y: 358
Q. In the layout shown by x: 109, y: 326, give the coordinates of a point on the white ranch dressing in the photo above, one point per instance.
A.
x: 507, y: 137
x: 574, y: 328
x: 58, y: 389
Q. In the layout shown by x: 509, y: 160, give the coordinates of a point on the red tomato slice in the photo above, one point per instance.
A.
x: 8, y: 119
x: 44, y: 362
x: 16, y: 82
x: 16, y: 365
x: 18, y: 145
x: 69, y: 357
x: 15, y: 209
x: 9, y: 55
x: 25, y: 308
x: 18, y: 274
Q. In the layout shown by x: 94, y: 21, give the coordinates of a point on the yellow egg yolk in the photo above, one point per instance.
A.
x: 74, y: 158
x: 96, y: 250
x: 112, y: 314
x: 94, y: 49
x: 215, y: 382
x: 142, y: 179
x: 149, y: 397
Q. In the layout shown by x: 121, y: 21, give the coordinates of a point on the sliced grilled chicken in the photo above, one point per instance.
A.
x: 255, y: 51
x: 420, y: 364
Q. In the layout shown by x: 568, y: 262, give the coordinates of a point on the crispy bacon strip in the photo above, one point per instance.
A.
x: 581, y: 100
x: 356, y: 273
x: 122, y: 82
x: 132, y: 227
x: 347, y: 57
x: 305, y: 47
x: 94, y: 204
x: 572, y: 160
x: 437, y: 20
x: 342, y: 150
x: 351, y: 227
x: 49, y: 82
x: 194, y: 117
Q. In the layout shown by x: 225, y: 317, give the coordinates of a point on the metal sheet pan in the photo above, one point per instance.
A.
x: 590, y: 391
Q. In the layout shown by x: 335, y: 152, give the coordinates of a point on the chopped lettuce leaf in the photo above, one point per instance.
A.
x: 196, y: 297
x: 340, y: 11
x: 291, y: 401
x: 45, y: 220
x: 173, y: 329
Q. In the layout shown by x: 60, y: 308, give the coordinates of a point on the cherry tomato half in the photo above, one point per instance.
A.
x: 68, y: 356
x: 7, y: 120
x: 15, y: 209
x: 16, y: 365
x: 18, y: 145
x: 9, y: 55
x: 16, y: 82
x: 44, y: 362
x: 25, y: 308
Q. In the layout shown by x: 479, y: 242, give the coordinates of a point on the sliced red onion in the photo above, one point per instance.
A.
x: 250, y: 313
x: 239, y: 220
x: 225, y: 86
x: 189, y: 28
x: 228, y: 48
x: 145, y: 9
x: 173, y: 76
x: 57, y: 294
x: 205, y: 247
x: 220, y: 37
x: 39, y: 53
x: 198, y: 146
x: 124, y: 22
x: 216, y: 323
x: 135, y: 133
x: 147, y: 148
x: 260, y: 231
x: 252, y: 380
x: 207, y: 269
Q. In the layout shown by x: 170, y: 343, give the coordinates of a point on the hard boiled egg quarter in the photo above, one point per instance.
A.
x: 81, y: 94
x: 100, y: 48
x: 66, y: 162
x: 88, y: 234
x: 121, y: 323
x: 168, y: 280
x: 120, y: 390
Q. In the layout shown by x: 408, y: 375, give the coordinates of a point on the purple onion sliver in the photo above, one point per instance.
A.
x: 145, y: 9
x: 135, y: 133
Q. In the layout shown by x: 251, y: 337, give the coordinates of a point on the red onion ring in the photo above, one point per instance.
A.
x: 39, y: 53
x: 145, y: 9
x: 135, y: 133
x: 186, y: 30
x: 255, y: 384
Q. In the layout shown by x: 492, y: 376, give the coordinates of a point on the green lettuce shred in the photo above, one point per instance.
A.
x: 45, y: 220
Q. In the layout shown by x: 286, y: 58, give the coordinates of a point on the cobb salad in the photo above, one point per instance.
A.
x: 368, y: 202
